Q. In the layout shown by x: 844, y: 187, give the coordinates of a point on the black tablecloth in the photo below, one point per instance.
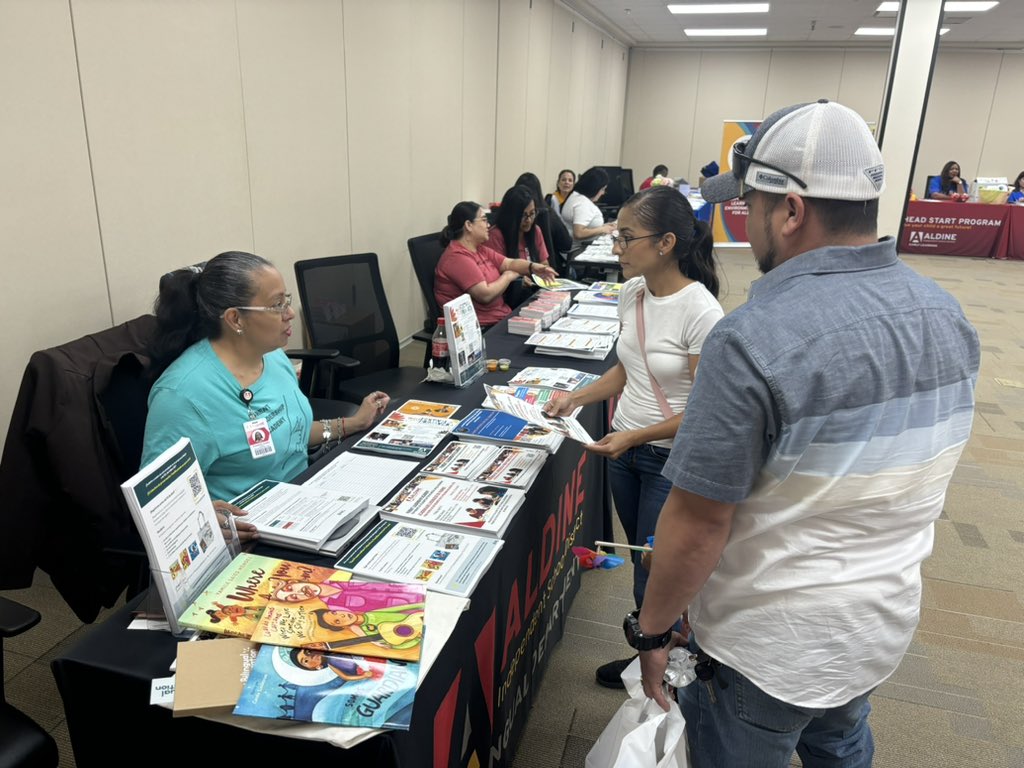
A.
x: 475, y: 698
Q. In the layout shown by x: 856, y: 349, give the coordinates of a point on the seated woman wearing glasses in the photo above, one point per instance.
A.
x: 666, y: 309
x: 469, y: 266
x: 226, y: 382
x: 516, y: 222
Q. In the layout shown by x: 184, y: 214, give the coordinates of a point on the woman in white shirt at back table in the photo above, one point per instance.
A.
x: 580, y: 212
x: 666, y: 309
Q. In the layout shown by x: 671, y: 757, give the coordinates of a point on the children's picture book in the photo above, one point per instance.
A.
x: 297, y: 516
x: 442, y: 560
x: 535, y: 395
x: 315, y: 687
x: 481, y: 463
x: 233, y: 602
x: 565, y: 379
x: 174, y: 515
x: 209, y: 675
x: 425, y: 408
x: 484, y: 508
x: 484, y: 425
x: 370, y: 619
x: 566, y: 425
x: 406, y: 435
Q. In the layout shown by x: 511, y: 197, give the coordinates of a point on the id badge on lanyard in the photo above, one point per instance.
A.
x: 257, y: 434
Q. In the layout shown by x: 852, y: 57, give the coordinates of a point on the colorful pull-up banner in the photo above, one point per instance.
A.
x: 730, y: 221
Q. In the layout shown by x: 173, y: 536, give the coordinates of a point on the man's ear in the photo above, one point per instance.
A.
x: 796, y: 214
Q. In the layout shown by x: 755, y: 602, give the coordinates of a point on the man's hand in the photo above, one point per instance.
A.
x: 652, y: 667
x: 246, y: 531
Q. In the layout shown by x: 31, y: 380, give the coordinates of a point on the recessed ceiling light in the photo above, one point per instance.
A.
x: 944, y: 30
x: 719, y: 8
x: 950, y: 6
x: 726, y: 32
x: 876, y: 31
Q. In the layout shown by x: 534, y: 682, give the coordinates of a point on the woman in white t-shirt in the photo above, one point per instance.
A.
x: 580, y: 212
x: 667, y: 307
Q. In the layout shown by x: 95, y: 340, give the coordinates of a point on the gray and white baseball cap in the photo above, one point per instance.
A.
x: 821, y: 149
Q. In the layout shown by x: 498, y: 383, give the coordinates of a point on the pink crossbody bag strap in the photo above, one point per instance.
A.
x: 659, y: 394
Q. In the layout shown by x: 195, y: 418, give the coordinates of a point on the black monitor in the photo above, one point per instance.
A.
x: 620, y: 186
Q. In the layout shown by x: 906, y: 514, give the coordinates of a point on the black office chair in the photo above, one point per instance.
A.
x: 23, y: 742
x: 344, y: 308
x: 425, y: 251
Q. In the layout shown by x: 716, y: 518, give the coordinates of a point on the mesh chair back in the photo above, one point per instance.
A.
x: 425, y: 251
x: 344, y: 307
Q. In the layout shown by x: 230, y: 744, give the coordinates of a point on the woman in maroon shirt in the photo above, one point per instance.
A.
x: 469, y: 266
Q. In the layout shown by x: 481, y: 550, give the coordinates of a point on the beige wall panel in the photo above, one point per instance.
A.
x: 539, y: 81
x: 661, y: 107
x: 479, y: 79
x: 618, y: 59
x: 1002, y: 155
x: 863, y: 81
x: 963, y: 86
x: 559, y: 155
x: 799, y: 76
x: 574, y: 105
x: 49, y: 238
x: 593, y: 106
x: 163, y: 106
x: 293, y: 79
x: 731, y: 86
x: 513, y: 65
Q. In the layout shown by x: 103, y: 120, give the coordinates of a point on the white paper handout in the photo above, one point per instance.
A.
x: 511, y: 404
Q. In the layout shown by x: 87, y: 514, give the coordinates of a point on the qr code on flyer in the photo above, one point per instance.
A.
x: 405, y: 532
x: 196, y: 485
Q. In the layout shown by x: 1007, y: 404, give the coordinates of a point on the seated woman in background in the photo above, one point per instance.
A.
x: 948, y: 185
x: 1017, y: 190
x: 469, y: 266
x: 580, y: 212
x: 516, y: 222
x: 227, y: 384
x: 556, y: 237
x: 563, y: 188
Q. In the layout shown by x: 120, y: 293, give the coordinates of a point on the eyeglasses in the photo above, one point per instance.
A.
x: 741, y: 161
x: 280, y: 308
x: 623, y: 242
x: 529, y: 216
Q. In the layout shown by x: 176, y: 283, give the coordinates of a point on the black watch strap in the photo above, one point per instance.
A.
x: 638, y: 640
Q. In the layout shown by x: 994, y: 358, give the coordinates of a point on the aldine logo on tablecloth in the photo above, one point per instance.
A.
x: 919, y: 238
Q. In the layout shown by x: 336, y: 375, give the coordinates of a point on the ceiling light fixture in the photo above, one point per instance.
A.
x: 726, y: 32
x: 950, y: 6
x: 690, y: 8
x: 876, y: 31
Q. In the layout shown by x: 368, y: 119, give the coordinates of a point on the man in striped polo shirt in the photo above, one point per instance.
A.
x: 824, y: 425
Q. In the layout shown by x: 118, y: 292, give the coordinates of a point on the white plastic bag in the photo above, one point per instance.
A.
x: 641, y: 735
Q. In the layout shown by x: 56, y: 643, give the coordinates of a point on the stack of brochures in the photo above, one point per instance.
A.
x: 415, y: 429
x: 521, y: 325
x: 496, y: 464
x: 536, y: 395
x: 587, y: 325
x: 610, y: 298
x: 585, y: 346
x: 483, y: 425
x: 595, y: 311
x: 565, y: 379
x: 483, y: 508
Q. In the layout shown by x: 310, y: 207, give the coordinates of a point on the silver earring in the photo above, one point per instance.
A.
x: 660, y: 254
x: 238, y: 331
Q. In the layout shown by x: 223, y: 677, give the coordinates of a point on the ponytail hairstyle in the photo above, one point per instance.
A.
x: 193, y: 300
x: 509, y: 219
x: 663, y: 209
x: 461, y: 213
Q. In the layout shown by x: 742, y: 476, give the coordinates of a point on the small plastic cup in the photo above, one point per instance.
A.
x: 492, y: 364
x: 504, y: 364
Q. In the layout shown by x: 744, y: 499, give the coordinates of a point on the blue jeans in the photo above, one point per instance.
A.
x: 639, y: 492
x: 747, y: 727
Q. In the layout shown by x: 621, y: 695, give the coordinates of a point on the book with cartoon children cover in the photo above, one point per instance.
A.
x: 315, y: 687
x: 233, y: 602
x: 352, y: 617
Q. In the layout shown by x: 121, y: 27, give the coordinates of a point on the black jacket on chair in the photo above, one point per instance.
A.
x: 75, y: 436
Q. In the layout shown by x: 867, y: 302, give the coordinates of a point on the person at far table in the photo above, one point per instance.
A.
x: 1017, y: 190
x: 666, y: 309
x: 948, y: 185
x: 226, y: 383
x: 556, y: 237
x: 563, y: 188
x: 659, y: 171
x: 469, y: 266
x: 580, y: 212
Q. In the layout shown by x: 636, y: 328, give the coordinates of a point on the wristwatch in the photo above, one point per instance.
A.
x: 637, y: 639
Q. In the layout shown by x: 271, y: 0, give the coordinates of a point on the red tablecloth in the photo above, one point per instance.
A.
x: 963, y: 229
